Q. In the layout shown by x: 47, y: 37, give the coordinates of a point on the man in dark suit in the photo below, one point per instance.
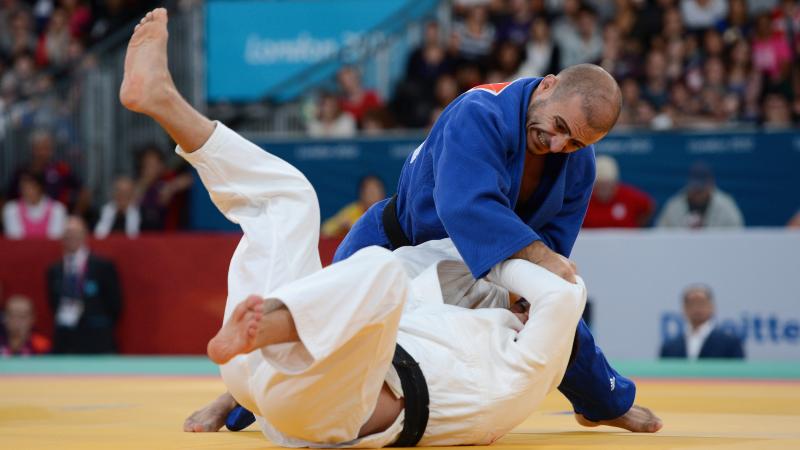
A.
x: 702, y: 339
x: 84, y: 296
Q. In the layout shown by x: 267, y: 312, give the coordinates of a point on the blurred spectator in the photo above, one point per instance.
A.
x: 20, y: 37
x: 515, y: 26
x: 427, y: 63
x: 566, y: 21
x: 79, y: 17
x: 330, y: 120
x: 430, y: 60
x: 581, y: 42
x: 376, y: 121
x: 702, y: 14
x: 702, y: 338
x: 505, y: 62
x: 121, y: 214
x: 614, y: 204
x: 355, y: 99
x: 656, y: 86
x: 542, y: 56
x: 85, y: 296
x: 794, y: 222
x: 700, y: 204
x: 475, y: 35
x: 60, y: 182
x: 18, y: 337
x: 33, y: 215
x: 771, y: 52
x: 370, y: 191
x: 777, y: 112
x: 160, y: 191
x: 737, y: 24
x: 53, y: 47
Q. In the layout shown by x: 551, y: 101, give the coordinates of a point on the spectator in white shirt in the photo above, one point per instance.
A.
x: 121, y: 214
x: 33, y: 215
x: 702, y: 14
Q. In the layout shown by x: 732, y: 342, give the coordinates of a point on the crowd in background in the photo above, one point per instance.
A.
x: 43, y: 43
x: 44, y: 190
x: 680, y: 63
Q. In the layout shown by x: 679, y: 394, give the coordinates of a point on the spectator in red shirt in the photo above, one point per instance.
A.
x: 18, y: 337
x: 355, y: 99
x: 614, y: 204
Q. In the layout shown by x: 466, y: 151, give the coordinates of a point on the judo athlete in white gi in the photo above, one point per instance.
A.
x: 310, y: 350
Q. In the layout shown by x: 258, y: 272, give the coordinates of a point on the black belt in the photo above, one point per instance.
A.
x: 391, y: 225
x: 415, y: 395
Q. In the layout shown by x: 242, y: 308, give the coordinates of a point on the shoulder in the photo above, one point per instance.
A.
x: 10, y: 207
x: 58, y: 207
x: 723, y: 198
x: 721, y: 334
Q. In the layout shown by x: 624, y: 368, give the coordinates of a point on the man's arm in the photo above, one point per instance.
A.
x: 472, y: 187
x: 559, y: 235
x: 544, y: 344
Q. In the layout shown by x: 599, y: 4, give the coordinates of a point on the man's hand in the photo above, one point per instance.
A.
x: 539, y: 254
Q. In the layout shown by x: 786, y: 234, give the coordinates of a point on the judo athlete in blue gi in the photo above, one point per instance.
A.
x: 507, y: 172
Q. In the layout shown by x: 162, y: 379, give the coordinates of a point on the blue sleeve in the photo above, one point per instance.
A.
x: 471, y: 188
x: 561, y: 232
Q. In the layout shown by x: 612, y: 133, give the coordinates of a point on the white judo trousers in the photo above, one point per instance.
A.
x: 486, y: 371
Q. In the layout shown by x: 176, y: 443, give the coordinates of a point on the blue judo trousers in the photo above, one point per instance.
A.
x: 463, y: 181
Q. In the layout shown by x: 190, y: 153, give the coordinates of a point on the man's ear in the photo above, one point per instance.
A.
x: 549, y: 82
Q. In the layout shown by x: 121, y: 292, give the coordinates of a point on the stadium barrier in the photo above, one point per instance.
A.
x: 174, y: 285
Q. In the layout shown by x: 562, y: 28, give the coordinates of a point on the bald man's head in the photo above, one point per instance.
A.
x: 572, y: 110
x: 601, y: 98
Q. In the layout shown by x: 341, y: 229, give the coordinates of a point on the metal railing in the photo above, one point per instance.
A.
x: 93, y: 133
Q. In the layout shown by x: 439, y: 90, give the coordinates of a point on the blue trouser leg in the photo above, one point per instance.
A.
x: 594, y: 388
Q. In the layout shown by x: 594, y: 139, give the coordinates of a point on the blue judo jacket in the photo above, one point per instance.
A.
x: 463, y: 182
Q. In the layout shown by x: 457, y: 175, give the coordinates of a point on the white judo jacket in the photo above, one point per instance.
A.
x: 486, y: 371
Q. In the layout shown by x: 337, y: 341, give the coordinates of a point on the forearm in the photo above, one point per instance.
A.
x: 555, y: 304
x: 534, y: 252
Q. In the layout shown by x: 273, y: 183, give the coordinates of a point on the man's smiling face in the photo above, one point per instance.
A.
x: 557, y: 123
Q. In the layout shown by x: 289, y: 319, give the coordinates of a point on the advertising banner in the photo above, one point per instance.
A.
x: 275, y: 48
x: 636, y: 281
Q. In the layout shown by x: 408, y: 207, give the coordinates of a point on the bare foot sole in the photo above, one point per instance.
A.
x: 638, y: 419
x: 211, y: 417
x: 147, y: 82
x: 240, y: 333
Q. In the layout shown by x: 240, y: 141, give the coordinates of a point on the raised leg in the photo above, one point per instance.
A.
x: 147, y: 86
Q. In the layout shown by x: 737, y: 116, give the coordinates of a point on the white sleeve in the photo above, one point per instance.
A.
x: 12, y: 225
x: 58, y: 221
x: 544, y: 344
x: 106, y: 221
x: 274, y: 204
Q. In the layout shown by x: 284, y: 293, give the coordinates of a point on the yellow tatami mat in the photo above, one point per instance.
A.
x: 146, y: 412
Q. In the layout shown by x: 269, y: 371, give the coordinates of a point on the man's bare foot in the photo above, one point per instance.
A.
x: 241, y: 333
x: 211, y: 417
x: 638, y: 419
x: 147, y: 83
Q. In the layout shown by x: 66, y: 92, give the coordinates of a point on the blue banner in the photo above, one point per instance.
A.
x: 759, y: 169
x: 278, y: 48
